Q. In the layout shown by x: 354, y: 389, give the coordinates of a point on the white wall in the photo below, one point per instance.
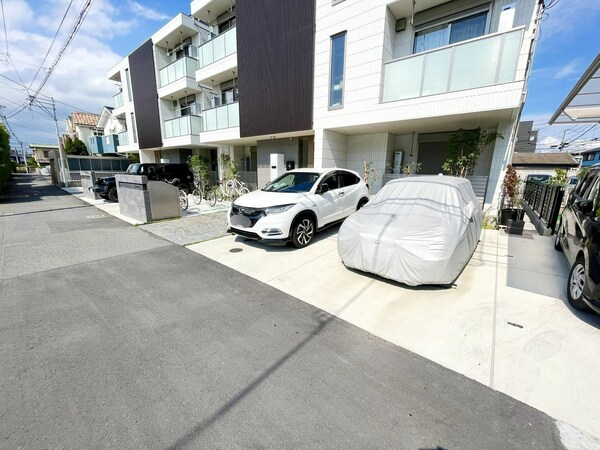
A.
x: 331, y: 149
x: 377, y: 148
x: 289, y: 147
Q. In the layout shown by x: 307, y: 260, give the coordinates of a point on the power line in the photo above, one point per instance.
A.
x: 51, y: 44
x: 76, y: 26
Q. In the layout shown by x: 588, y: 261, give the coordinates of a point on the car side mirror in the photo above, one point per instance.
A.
x: 583, y: 206
x: 468, y: 210
x: 324, y: 188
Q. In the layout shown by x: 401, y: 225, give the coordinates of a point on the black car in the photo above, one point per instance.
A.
x: 579, y: 238
x: 107, y: 187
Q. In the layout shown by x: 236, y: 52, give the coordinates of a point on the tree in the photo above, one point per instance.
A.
x: 464, y: 147
x: 510, y: 187
x: 5, y: 163
x: 74, y: 146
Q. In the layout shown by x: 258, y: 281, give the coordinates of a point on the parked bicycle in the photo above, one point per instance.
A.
x: 200, y: 192
x: 235, y: 188
x: 183, y: 198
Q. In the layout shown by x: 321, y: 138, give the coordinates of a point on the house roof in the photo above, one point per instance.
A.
x: 543, y: 159
x: 50, y: 146
x: 88, y: 119
x: 588, y: 150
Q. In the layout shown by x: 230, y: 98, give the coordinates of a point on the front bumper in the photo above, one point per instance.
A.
x: 100, y: 190
x: 252, y: 223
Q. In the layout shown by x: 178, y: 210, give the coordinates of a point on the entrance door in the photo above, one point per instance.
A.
x: 431, y: 157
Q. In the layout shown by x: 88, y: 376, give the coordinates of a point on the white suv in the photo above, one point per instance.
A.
x: 294, y: 206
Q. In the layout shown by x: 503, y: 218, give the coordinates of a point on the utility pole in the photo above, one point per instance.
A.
x: 562, y: 142
x: 24, y: 158
x: 62, y: 167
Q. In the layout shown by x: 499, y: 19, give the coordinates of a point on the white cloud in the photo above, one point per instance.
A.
x: 79, y: 79
x: 573, y: 67
x: 568, y: 15
x: 147, y: 13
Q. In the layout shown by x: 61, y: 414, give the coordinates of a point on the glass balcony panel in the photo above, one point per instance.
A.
x: 118, y: 100
x: 475, y: 64
x: 223, y: 117
x: 183, y: 126
x: 435, y: 78
x: 510, y: 57
x: 123, y: 138
x: 184, y: 67
x: 234, y: 115
x: 221, y: 46
x: 481, y: 62
x: 210, y: 120
x: 230, y: 42
x: 403, y: 79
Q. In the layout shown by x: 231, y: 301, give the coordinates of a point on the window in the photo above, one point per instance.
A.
x: 128, y: 84
x: 336, y: 79
x: 333, y: 181
x: 188, y: 105
x: 450, y: 32
x: 229, y: 96
x: 349, y: 178
x: 133, y: 128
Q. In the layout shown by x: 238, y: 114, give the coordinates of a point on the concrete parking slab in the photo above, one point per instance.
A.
x: 505, y: 323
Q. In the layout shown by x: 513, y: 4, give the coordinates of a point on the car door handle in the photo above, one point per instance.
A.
x: 341, y: 193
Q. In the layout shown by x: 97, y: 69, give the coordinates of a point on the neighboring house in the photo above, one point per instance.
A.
x: 543, y: 164
x: 527, y: 137
x: 588, y: 157
x: 111, y: 127
x: 355, y: 82
x: 43, y: 152
x: 83, y: 126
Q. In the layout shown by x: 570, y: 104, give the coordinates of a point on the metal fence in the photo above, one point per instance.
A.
x: 545, y: 201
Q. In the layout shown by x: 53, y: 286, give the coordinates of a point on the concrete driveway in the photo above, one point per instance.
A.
x: 505, y: 323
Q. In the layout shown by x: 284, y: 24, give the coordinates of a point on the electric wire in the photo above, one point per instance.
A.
x: 52, y: 43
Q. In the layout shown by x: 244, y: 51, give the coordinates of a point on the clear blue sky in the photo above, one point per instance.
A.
x: 569, y: 42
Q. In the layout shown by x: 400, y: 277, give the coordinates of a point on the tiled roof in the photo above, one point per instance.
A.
x: 543, y: 159
x: 88, y: 119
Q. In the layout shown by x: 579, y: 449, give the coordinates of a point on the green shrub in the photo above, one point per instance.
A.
x: 5, y: 161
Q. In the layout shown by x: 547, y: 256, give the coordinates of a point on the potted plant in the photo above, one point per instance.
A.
x: 511, y: 215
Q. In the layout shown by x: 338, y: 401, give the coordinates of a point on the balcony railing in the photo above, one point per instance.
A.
x: 483, y: 61
x: 226, y: 116
x: 184, y: 67
x: 118, y: 100
x: 123, y: 138
x: 218, y: 48
x: 183, y: 126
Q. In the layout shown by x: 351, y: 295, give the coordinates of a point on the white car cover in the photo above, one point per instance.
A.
x: 416, y: 230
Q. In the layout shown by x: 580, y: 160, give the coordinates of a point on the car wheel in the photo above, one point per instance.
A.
x: 576, y: 285
x: 557, y: 244
x: 361, y: 203
x: 112, y: 194
x: 303, y: 232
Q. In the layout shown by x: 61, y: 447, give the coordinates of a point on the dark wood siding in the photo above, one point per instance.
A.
x: 145, y: 96
x: 276, y: 47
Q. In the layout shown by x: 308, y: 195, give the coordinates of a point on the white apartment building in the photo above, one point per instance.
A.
x: 329, y: 83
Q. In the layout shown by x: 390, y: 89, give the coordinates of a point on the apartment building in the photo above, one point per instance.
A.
x: 325, y: 83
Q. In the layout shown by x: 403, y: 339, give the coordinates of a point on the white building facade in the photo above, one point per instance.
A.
x: 329, y: 83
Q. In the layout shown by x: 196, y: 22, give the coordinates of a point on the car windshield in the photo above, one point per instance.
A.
x: 293, y: 182
x: 133, y: 168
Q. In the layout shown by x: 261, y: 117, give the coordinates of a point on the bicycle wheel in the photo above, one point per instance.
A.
x: 183, y: 199
x: 220, y: 194
x: 197, y: 196
x: 211, y: 198
x: 244, y: 191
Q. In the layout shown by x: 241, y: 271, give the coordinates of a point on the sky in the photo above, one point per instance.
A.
x: 569, y: 41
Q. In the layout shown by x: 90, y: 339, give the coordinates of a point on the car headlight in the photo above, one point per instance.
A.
x: 278, y: 209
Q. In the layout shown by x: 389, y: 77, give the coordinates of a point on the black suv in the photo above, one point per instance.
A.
x: 107, y: 187
x: 579, y: 237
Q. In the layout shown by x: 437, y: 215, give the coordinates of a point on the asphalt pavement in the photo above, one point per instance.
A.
x: 113, y: 337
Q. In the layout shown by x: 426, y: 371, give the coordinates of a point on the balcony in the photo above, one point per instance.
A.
x: 94, y: 144
x: 221, y: 117
x: 183, y: 126
x: 123, y: 138
x: 182, y: 68
x: 218, y: 48
x: 118, y: 100
x: 485, y: 61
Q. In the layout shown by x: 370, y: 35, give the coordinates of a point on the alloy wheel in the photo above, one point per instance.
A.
x: 577, y: 281
x: 304, y: 232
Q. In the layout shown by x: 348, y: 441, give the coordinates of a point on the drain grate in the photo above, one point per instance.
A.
x: 236, y: 250
x: 97, y: 216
